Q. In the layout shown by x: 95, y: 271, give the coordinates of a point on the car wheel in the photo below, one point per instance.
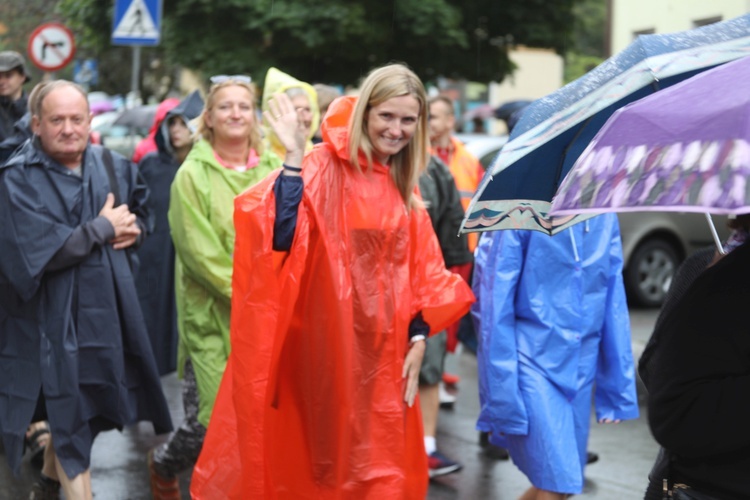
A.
x: 649, y: 272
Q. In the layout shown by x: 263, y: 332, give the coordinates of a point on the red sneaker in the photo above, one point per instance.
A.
x: 451, y: 379
x: 440, y: 465
x: 162, y: 488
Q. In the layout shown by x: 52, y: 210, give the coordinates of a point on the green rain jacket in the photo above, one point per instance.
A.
x: 201, y: 213
x: 277, y: 81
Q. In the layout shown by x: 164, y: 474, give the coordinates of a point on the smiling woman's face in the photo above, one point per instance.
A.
x: 232, y: 115
x: 391, y: 125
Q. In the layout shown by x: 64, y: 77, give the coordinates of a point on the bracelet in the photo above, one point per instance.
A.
x: 416, y: 338
x: 289, y: 167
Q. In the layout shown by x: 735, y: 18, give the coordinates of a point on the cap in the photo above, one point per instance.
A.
x: 10, y: 59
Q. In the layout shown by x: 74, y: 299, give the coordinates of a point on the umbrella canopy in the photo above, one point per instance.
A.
x: 483, y: 112
x: 506, y: 110
x: 140, y: 117
x: 685, y: 149
x: 99, y: 107
x: 553, y: 131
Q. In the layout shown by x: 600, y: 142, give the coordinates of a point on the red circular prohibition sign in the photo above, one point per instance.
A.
x: 46, y: 40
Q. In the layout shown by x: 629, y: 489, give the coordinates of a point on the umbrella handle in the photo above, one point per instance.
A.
x: 717, y: 241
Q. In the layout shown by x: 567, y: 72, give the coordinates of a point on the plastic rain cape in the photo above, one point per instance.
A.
x: 311, y: 404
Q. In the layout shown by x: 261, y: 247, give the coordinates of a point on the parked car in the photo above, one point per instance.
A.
x: 653, y: 243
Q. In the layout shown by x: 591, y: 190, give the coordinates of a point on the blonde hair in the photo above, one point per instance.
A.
x: 393, y: 80
x: 207, y: 133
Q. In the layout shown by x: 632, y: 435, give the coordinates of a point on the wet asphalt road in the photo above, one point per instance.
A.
x: 626, y: 451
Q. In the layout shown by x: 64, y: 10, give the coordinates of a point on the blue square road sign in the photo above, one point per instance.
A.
x: 137, y: 22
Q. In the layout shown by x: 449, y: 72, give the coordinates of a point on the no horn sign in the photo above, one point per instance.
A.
x: 51, y: 46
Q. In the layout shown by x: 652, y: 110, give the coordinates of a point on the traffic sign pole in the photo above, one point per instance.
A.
x: 136, y: 71
x: 137, y: 23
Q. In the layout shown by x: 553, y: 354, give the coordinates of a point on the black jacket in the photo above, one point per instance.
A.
x: 699, y: 380
x: 10, y: 112
x: 443, y: 204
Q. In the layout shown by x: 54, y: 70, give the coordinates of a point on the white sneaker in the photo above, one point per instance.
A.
x: 446, y: 398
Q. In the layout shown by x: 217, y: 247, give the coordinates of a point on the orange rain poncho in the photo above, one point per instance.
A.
x: 311, y: 404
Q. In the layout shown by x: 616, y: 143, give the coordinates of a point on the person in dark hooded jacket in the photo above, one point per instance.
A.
x: 155, y: 280
x: 148, y: 143
x: 74, y: 346
x: 13, y: 100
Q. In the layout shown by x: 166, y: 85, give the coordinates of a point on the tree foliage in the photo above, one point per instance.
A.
x: 19, y: 18
x: 587, y: 48
x: 340, y: 40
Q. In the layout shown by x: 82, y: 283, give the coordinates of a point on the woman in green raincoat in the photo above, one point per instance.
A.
x: 304, y: 99
x: 227, y: 159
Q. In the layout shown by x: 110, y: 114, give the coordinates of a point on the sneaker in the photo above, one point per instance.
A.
x: 45, y: 489
x: 490, y: 450
x: 162, y: 488
x: 591, y: 457
x: 440, y: 465
x: 447, y: 400
x: 451, y: 379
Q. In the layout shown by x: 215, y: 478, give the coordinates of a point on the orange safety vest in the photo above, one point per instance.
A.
x: 467, y: 173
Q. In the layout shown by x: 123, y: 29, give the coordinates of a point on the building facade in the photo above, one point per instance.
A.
x: 630, y: 18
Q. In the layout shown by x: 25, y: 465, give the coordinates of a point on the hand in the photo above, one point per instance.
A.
x: 412, y: 365
x: 124, y: 241
x: 283, y: 119
x: 123, y: 221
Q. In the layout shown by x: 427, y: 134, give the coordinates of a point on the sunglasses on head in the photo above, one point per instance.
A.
x: 226, y: 78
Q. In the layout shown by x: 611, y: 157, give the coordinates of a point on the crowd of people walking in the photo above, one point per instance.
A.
x: 294, y: 258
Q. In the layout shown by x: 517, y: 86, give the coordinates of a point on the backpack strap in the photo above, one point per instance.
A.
x: 109, y: 166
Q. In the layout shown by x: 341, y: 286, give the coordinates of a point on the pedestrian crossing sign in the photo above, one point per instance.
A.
x: 137, y: 22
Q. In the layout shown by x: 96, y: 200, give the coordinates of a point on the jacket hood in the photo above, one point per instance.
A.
x: 188, y: 109
x: 161, y: 112
x: 335, y: 127
x: 278, y: 81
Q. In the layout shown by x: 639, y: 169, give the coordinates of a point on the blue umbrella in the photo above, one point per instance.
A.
x: 553, y: 131
x: 507, y: 109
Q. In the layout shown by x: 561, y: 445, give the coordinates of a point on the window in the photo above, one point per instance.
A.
x: 649, y: 31
x: 707, y: 21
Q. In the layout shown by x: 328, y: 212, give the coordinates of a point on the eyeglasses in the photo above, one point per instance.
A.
x: 226, y: 78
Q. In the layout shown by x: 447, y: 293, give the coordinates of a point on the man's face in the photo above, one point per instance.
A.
x: 63, y: 126
x: 11, y: 83
x: 441, y: 120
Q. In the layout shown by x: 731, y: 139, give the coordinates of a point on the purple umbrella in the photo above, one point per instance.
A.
x: 99, y: 107
x: 685, y: 148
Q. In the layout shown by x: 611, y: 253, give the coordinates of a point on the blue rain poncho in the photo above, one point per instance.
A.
x: 553, y: 323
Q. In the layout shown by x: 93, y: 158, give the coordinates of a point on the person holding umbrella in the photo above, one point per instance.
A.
x: 553, y: 325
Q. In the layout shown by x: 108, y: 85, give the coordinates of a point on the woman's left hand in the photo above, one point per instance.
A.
x: 412, y: 365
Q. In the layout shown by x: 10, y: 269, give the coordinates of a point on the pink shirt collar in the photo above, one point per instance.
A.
x: 252, y: 161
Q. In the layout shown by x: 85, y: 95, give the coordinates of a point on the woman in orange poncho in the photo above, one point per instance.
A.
x: 318, y: 397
